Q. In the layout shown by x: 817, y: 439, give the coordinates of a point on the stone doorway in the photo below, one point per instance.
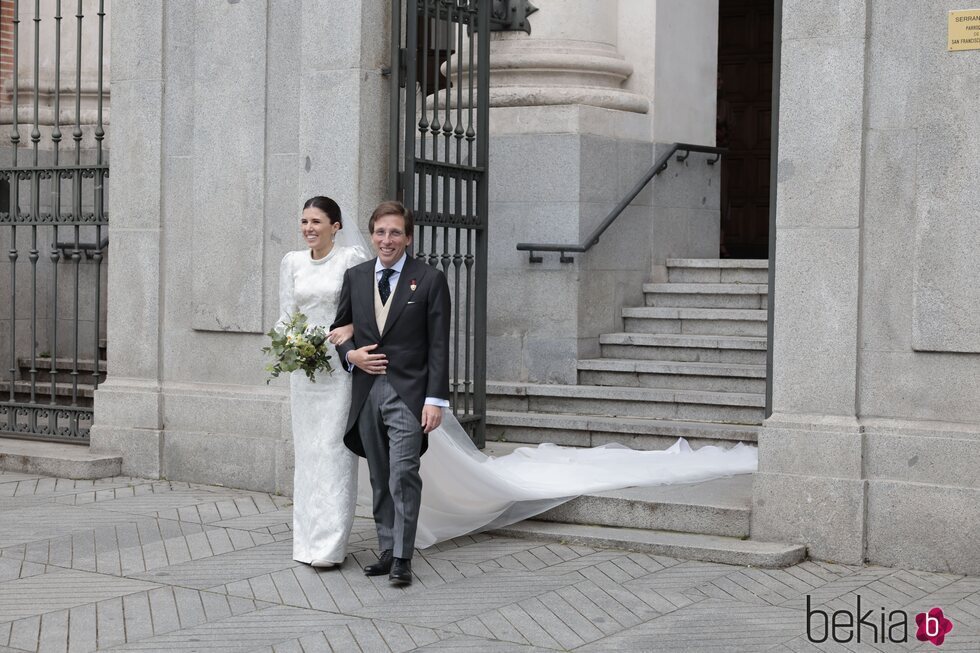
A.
x: 745, y: 31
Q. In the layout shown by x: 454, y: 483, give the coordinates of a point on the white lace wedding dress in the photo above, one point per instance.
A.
x: 463, y: 490
x: 325, y: 479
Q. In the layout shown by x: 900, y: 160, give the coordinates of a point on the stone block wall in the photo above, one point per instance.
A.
x: 874, y: 445
x: 552, y: 186
x: 242, y: 111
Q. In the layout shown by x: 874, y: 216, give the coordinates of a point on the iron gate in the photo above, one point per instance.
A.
x: 53, y: 220
x: 438, y: 154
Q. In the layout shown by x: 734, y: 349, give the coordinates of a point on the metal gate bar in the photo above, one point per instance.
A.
x: 439, y: 164
x: 59, y: 409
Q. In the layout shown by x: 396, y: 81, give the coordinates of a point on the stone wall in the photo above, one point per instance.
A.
x: 873, y: 449
x: 242, y: 111
x: 545, y: 316
x: 568, y: 141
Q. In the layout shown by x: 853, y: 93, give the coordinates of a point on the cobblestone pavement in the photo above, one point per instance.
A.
x: 130, y: 564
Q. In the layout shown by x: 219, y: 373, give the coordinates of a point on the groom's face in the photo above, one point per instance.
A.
x: 390, y: 239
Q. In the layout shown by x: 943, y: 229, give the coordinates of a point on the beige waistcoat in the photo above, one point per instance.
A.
x: 381, y: 310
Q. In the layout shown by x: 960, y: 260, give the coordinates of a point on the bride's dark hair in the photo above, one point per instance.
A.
x: 328, y: 206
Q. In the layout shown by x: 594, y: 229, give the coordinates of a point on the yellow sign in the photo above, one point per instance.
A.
x: 964, y: 30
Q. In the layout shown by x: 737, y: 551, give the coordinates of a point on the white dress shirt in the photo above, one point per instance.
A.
x: 397, y: 267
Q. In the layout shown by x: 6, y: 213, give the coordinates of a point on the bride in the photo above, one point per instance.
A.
x: 324, y: 481
x: 463, y: 490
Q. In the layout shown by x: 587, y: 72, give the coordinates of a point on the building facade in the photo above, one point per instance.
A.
x: 226, y: 116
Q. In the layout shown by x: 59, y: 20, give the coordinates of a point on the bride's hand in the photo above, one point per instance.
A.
x: 340, y: 335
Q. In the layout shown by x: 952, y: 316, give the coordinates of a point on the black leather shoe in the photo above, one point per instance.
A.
x: 382, y: 566
x: 401, y: 572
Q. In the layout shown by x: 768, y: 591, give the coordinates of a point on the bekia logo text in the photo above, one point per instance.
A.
x: 843, y: 626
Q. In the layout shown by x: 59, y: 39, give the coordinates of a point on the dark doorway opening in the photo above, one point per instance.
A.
x: 744, y: 125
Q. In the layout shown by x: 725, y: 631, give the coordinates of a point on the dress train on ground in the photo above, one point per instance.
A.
x: 465, y: 491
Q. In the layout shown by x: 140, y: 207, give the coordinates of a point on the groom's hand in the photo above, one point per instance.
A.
x: 368, y: 362
x: 431, y: 417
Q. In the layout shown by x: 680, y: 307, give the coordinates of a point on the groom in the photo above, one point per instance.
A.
x: 399, y: 358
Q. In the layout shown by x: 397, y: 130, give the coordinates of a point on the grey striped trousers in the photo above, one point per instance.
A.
x: 392, y: 439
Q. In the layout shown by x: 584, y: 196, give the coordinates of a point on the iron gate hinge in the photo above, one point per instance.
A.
x: 402, y: 67
x: 511, y: 15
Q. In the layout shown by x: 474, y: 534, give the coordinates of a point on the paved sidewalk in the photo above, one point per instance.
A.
x: 129, y: 564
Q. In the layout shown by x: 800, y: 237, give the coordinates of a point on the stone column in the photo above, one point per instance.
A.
x: 570, y: 58
x: 129, y: 405
x: 873, y: 449
x: 810, y: 486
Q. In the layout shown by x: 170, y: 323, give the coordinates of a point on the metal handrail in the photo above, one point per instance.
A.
x: 593, y: 238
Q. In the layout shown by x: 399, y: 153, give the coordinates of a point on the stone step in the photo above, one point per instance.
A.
x: 694, y: 405
x: 698, y: 321
x: 706, y: 295
x: 718, y: 507
x: 687, y: 546
x: 684, y: 347
x: 61, y: 364
x: 685, y: 270
x: 73, y: 461
x: 44, y: 378
x: 639, y: 373
x: 751, y: 263
x: 63, y: 369
x: 592, y: 430
x: 22, y: 389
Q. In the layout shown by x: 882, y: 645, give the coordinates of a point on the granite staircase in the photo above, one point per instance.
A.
x: 64, y: 369
x: 689, y: 363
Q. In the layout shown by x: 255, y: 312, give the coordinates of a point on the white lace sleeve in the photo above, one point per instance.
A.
x: 287, y: 302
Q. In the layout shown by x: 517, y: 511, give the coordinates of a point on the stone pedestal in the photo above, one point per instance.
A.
x: 810, y: 486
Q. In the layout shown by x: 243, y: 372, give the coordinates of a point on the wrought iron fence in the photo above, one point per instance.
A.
x: 53, y: 222
x: 439, y: 129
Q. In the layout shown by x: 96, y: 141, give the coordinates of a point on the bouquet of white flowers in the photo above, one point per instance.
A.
x: 298, y: 346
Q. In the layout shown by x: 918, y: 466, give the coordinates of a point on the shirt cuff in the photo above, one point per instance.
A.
x: 350, y: 365
x: 434, y: 401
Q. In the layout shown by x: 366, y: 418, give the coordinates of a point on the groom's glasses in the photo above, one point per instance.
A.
x: 394, y: 233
